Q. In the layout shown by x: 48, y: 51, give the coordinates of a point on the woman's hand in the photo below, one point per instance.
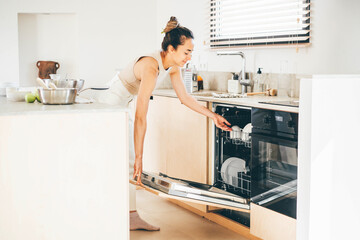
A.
x: 138, y: 171
x: 221, y: 122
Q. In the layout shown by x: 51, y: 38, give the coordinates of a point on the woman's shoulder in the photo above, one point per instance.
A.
x: 155, y: 55
x: 146, y: 64
x: 148, y: 61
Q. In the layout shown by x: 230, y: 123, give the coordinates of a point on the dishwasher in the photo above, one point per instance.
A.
x: 232, y: 158
x: 255, y: 162
x: 226, y: 192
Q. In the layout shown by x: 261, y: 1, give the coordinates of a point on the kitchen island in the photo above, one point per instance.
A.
x: 63, y: 171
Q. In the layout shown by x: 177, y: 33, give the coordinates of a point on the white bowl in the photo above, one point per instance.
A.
x: 16, y: 95
x: 236, y: 132
x: 246, y: 132
x: 5, y: 85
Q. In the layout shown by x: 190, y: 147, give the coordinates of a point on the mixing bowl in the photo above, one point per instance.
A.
x: 57, y: 96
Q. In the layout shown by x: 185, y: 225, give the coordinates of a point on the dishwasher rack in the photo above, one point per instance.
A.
x: 239, y: 185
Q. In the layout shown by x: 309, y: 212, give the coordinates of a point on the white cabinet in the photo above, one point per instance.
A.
x: 328, y: 189
x: 63, y: 175
x: 270, y: 225
x: 179, y: 143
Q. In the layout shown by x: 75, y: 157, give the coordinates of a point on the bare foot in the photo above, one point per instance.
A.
x: 136, y: 223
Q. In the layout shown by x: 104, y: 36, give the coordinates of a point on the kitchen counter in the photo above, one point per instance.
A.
x: 251, y: 101
x: 14, y: 108
x: 63, y: 171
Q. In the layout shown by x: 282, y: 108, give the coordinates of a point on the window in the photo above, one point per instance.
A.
x: 259, y: 23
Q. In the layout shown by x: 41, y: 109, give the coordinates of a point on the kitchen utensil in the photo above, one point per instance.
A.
x: 230, y: 169
x: 42, y: 83
x: 55, y: 76
x: 268, y: 92
x: 57, y: 96
x: 93, y: 88
x: 46, y: 68
x: 66, y: 83
x: 52, y: 85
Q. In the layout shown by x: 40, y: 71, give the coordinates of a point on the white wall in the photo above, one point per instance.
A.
x: 334, y: 40
x: 110, y: 32
x: 47, y: 37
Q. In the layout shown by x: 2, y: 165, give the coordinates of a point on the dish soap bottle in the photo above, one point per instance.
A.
x: 234, y: 84
x: 200, y: 83
x: 258, y: 81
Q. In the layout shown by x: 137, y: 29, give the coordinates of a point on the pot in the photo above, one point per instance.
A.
x: 66, y: 83
x: 57, y: 96
x: 62, y: 91
x: 61, y: 96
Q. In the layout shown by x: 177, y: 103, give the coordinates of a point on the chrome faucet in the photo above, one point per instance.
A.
x: 242, y: 79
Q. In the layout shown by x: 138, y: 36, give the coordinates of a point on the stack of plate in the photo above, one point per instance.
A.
x: 230, y: 170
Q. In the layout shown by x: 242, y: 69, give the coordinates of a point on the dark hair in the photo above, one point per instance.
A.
x: 175, y: 34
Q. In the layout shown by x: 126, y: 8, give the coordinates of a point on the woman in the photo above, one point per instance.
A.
x: 140, y: 78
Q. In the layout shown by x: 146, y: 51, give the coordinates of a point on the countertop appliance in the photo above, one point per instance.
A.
x: 274, y: 160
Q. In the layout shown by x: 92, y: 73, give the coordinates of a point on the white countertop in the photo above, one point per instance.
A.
x: 10, y: 108
x: 20, y: 108
x: 251, y: 101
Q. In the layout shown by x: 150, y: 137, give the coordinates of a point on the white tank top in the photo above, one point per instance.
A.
x: 131, y: 83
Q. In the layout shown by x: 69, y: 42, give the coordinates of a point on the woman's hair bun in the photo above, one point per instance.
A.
x: 171, y: 24
x: 175, y: 34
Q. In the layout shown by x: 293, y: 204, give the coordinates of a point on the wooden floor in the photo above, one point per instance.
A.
x: 176, y: 222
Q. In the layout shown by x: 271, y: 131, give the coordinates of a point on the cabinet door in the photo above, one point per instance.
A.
x: 176, y: 141
x: 187, y: 143
x: 270, y: 225
x: 155, y: 143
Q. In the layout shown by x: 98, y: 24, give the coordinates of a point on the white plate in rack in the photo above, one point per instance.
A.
x: 230, y: 169
x: 246, y: 132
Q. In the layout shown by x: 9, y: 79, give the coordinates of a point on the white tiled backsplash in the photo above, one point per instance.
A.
x: 286, y: 84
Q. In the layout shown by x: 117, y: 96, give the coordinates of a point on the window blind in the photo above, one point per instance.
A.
x: 254, y: 23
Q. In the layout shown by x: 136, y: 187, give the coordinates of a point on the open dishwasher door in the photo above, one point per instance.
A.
x: 184, y: 190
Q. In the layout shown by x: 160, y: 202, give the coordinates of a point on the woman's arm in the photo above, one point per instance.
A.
x: 192, y: 103
x: 147, y: 69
